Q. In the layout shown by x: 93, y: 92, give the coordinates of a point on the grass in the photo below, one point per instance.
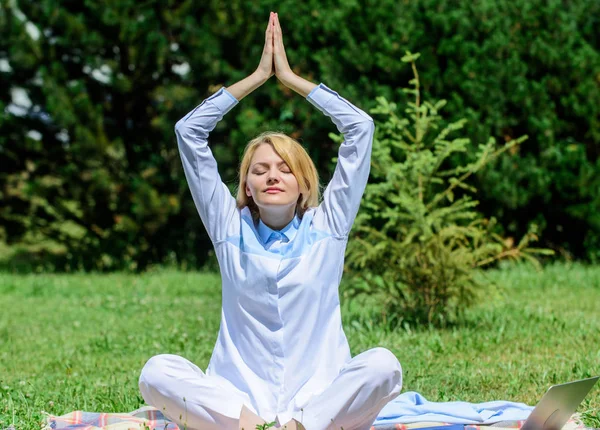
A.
x: 79, y: 341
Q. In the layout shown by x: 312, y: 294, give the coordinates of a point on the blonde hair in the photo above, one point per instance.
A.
x: 297, y: 160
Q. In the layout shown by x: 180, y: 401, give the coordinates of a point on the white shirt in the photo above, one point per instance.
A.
x: 281, y: 338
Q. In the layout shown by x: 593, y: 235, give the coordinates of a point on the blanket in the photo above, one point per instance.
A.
x: 411, y: 407
x: 150, y: 418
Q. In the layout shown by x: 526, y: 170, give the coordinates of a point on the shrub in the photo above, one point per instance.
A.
x: 417, y: 240
x: 91, y: 167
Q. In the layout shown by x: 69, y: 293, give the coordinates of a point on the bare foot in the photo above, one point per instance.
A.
x: 293, y: 425
x: 249, y: 420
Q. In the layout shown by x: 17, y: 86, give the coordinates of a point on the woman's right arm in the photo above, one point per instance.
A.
x: 213, y: 200
x: 241, y: 89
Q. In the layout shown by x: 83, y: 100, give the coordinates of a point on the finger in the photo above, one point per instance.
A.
x: 270, y: 30
x: 278, y: 29
x: 270, y: 24
x: 269, y: 42
x: 277, y: 23
x: 276, y: 33
x: 273, y: 33
x: 269, y: 35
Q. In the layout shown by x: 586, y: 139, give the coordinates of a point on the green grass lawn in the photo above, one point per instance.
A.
x: 79, y: 341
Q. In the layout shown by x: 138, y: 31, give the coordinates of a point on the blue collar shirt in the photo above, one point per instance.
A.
x: 272, y: 239
x: 281, y: 339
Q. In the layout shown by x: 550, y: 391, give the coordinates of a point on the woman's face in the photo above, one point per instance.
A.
x: 270, y: 182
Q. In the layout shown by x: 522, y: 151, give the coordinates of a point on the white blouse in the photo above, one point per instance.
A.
x: 281, y: 339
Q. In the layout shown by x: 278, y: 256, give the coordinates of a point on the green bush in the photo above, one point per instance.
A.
x: 102, y: 177
x: 417, y: 240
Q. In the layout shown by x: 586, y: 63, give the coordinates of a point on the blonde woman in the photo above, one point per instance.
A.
x: 281, y: 351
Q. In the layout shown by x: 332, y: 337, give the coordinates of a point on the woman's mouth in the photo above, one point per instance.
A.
x: 273, y: 191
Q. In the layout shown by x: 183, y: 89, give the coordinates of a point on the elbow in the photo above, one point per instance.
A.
x: 366, y: 127
x: 370, y: 127
x: 366, y: 124
x: 183, y: 130
x: 366, y: 118
x: 178, y: 126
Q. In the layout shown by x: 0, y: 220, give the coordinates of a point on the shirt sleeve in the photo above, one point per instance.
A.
x: 341, y: 199
x: 212, y: 198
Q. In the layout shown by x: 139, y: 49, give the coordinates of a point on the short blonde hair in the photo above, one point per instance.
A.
x: 297, y: 160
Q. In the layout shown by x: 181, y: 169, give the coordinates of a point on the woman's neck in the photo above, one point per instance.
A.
x: 277, y: 220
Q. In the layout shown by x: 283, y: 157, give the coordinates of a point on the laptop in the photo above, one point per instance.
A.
x: 558, y: 404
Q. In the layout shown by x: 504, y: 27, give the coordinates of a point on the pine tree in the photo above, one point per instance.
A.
x: 418, y: 240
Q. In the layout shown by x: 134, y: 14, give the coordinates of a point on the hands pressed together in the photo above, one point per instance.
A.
x: 273, y: 60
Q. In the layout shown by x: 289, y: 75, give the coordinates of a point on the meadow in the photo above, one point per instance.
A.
x: 78, y: 341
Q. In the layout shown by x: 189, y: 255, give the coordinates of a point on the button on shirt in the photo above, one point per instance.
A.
x: 281, y: 339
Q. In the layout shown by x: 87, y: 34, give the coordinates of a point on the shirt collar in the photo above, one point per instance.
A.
x: 289, y: 231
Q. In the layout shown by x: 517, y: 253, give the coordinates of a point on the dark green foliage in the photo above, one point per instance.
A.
x: 417, y: 239
x: 101, y: 181
x: 102, y: 185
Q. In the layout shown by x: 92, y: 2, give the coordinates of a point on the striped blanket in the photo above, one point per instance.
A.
x: 150, y: 418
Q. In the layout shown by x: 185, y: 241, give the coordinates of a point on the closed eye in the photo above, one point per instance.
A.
x: 262, y: 173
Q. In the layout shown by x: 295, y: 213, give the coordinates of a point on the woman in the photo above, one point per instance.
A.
x: 281, y: 351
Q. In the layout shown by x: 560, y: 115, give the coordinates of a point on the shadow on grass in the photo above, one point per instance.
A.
x: 26, y: 261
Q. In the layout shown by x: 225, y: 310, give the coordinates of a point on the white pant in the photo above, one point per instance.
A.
x: 190, y: 398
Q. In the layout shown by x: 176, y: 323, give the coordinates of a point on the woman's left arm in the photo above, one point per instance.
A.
x: 343, y: 194
x: 341, y: 199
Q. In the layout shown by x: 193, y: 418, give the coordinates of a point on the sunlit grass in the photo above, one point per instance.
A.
x: 79, y: 341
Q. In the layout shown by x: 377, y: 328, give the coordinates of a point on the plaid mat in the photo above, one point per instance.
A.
x: 150, y: 418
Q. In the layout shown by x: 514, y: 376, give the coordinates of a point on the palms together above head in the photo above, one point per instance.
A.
x: 282, y: 67
x: 274, y: 60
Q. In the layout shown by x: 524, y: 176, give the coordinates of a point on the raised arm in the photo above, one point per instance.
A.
x: 265, y: 69
x: 343, y: 194
x: 282, y: 67
x: 212, y: 198
x: 341, y: 199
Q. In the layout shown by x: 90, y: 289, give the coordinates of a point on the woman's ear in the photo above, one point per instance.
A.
x: 248, y: 193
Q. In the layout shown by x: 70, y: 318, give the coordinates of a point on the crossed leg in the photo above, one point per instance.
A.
x: 363, y: 387
x: 189, y: 397
x: 195, y: 401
